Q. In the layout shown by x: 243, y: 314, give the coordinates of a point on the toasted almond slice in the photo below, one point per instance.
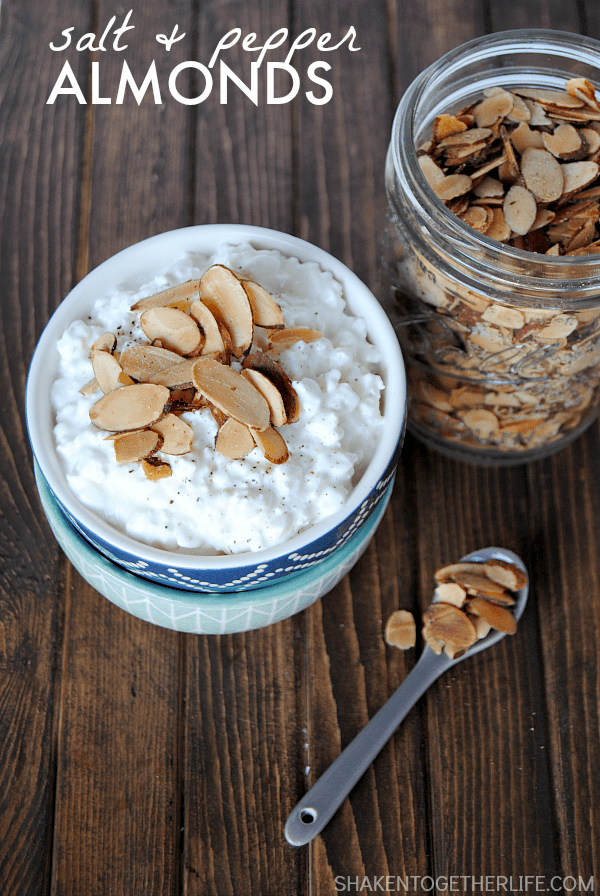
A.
x: 450, y: 593
x: 449, y: 624
x: 479, y: 584
x: 543, y: 217
x: 179, y: 296
x: 498, y: 617
x: 273, y: 370
x: 433, y: 173
x: 578, y: 175
x: 507, y: 574
x: 105, y: 343
x: 270, y: 391
x: 282, y: 339
x: 231, y: 393
x: 176, y: 330
x: 564, y: 142
x: 524, y: 136
x: 479, y: 217
x: 130, y: 407
x: 482, y: 422
x: 108, y: 372
x: 213, y: 339
x: 179, y: 376
x: 499, y: 229
x: 520, y: 111
x: 542, y: 174
x: 135, y: 446
x: 265, y: 310
x: 90, y: 387
x: 224, y: 295
x: 549, y: 97
x: 503, y: 315
x: 452, y: 186
x: 401, y: 630
x: 466, y: 138
x: 234, y: 440
x: 489, y: 187
x: 494, y: 108
x: 142, y: 361
x: 559, y: 327
x: 177, y: 435
x: 272, y: 445
x: 592, y: 139
x: 553, y: 250
x: 444, y: 125
x: 496, y: 162
x: 155, y: 469
x: 583, y: 90
x: 436, y: 644
x: 451, y: 572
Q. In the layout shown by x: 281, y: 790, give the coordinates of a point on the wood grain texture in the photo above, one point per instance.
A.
x: 137, y: 761
x: 120, y: 712
x: 40, y: 165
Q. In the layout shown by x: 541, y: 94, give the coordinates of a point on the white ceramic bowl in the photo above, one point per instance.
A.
x: 189, y: 571
x: 212, y: 613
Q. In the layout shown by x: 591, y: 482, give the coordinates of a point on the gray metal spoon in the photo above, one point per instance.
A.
x: 315, y: 809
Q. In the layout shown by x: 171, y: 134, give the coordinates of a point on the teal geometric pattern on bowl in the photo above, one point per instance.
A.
x: 205, y: 612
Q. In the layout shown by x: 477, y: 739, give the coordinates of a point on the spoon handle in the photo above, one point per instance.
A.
x: 314, y: 810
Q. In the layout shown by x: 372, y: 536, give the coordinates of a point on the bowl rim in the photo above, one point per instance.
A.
x: 151, y: 255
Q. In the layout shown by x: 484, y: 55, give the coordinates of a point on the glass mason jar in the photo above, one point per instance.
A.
x: 502, y: 345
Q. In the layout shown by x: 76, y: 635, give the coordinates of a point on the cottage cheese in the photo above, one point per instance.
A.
x: 211, y: 505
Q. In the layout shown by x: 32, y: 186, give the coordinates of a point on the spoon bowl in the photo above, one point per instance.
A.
x: 315, y: 809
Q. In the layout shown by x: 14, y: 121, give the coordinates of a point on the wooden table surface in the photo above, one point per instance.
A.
x: 137, y: 761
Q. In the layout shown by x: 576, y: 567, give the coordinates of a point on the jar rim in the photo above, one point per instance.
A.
x: 577, y: 278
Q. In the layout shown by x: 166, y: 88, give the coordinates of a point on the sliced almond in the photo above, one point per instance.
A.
x: 519, y: 209
x: 578, y: 175
x: 504, y: 316
x: 224, y: 295
x: 272, y: 445
x: 451, y: 572
x: 507, y: 574
x: 142, y: 361
x: 433, y: 173
x: 179, y: 296
x: 525, y: 136
x: 444, y: 125
x: 134, y: 446
x: 401, y: 630
x: 265, y: 310
x: 542, y: 174
x: 90, y: 387
x: 583, y: 90
x: 549, y: 97
x: 482, y: 422
x: 479, y: 584
x: 176, y: 434
x: 436, y: 644
x: 130, y: 407
x: 494, y: 108
x: 273, y: 370
x: 272, y: 394
x: 564, y: 142
x: 108, y: 372
x: 213, y: 339
x: 450, y: 593
x: 156, y: 469
x: 282, y: 339
x: 234, y: 440
x: 453, y: 185
x: 176, y: 330
x: 499, y: 229
x: 449, y: 624
x: 498, y: 617
x: 231, y: 393
x: 179, y: 376
x: 105, y: 343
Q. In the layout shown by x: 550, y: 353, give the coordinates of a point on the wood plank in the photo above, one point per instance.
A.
x: 381, y: 829
x: 40, y: 166
x: 243, y: 737
x: 118, y: 767
x: 566, y: 563
x: 562, y: 15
